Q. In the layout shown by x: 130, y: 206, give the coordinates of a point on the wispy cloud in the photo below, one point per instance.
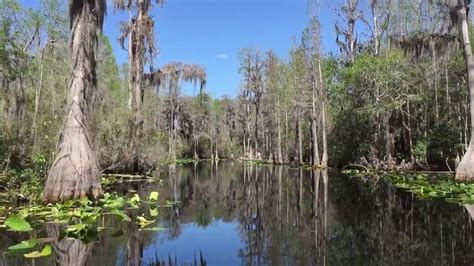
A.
x: 222, y: 56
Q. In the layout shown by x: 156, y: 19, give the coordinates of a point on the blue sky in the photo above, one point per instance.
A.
x: 212, y: 32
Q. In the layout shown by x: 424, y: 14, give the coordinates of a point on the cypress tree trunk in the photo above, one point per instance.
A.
x: 324, y: 161
x: 69, y: 251
x: 465, y: 170
x: 300, y: 142
x: 279, y: 152
x: 314, y: 133
x: 137, y: 93
x: 75, y: 173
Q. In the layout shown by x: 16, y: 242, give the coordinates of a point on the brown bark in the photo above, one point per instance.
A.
x: 75, y: 173
x: 69, y: 251
x: 141, y: 50
x: 133, y: 156
x: 465, y: 170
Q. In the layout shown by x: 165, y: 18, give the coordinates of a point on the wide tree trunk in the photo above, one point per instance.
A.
x: 465, y: 170
x: 69, y: 251
x: 75, y: 173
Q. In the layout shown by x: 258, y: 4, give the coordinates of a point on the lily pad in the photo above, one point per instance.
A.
x: 143, y: 222
x: 27, y: 244
x: 47, y: 250
x: 16, y: 223
x: 153, y: 212
x: 134, y: 201
x: 154, y: 196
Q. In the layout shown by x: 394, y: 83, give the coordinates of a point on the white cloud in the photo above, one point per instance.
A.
x: 222, y: 56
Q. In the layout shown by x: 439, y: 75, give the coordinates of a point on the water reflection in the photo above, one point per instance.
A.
x: 241, y: 214
x: 68, y: 251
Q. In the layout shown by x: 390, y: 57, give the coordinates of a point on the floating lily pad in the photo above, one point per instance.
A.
x: 47, y: 250
x: 134, y: 201
x: 143, y: 222
x: 154, y: 196
x: 153, y: 212
x: 27, y: 244
x: 16, y: 223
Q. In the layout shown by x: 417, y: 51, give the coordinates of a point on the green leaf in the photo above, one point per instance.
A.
x: 17, y: 223
x: 153, y: 212
x: 76, y: 227
x: 27, y: 244
x: 143, y: 222
x: 154, y: 196
x: 134, y: 201
x: 36, y: 254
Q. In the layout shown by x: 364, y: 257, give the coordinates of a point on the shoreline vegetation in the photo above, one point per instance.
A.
x: 81, y: 135
x: 77, y: 128
x: 392, y: 101
x: 32, y: 189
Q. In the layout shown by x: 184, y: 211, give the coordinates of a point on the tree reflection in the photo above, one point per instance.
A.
x: 289, y: 216
x: 68, y: 251
x: 295, y: 216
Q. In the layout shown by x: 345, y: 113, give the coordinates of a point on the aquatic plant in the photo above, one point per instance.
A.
x: 425, y: 186
x: 78, y: 219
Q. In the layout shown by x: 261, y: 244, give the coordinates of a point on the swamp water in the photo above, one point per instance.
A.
x: 238, y: 214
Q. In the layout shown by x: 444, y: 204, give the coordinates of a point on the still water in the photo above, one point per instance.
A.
x: 238, y: 214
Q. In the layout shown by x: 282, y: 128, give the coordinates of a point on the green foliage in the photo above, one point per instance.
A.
x: 153, y: 196
x: 436, y: 186
x: 81, y: 219
x: 420, y: 150
x: 395, y: 91
x: 27, y: 244
x: 441, y: 144
x: 17, y: 223
x: 46, y: 251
